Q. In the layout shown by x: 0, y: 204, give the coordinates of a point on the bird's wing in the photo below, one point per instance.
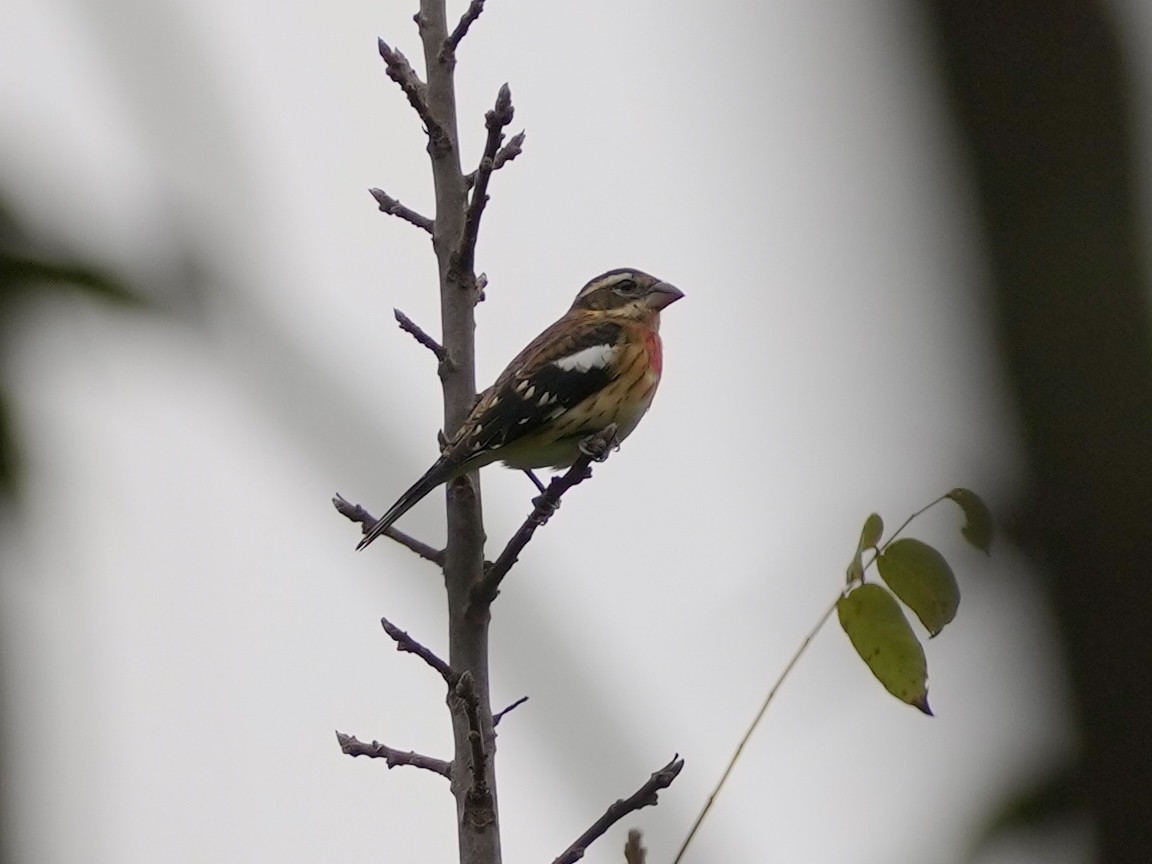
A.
x: 569, y: 362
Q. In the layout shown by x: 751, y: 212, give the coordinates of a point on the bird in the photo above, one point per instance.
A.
x: 597, y: 365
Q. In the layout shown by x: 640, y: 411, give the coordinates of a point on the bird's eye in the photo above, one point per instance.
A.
x: 627, y: 288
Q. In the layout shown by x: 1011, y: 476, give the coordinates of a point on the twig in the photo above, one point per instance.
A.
x: 401, y: 71
x: 466, y: 20
x: 354, y: 747
x: 406, y: 643
x: 634, y: 852
x: 392, y: 207
x: 499, y: 715
x: 478, y: 802
x: 504, y: 155
x: 495, y: 121
x: 411, y: 327
x: 595, y: 448
x: 356, y: 513
x: 643, y: 797
x: 752, y: 728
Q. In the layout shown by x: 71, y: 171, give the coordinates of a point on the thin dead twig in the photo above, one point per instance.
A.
x: 356, y: 513
x: 643, y: 797
x: 393, y: 207
x: 466, y: 21
x: 504, y: 155
x: 412, y: 328
x: 407, y: 644
x: 401, y: 71
x: 499, y: 715
x: 494, y: 121
x: 354, y: 747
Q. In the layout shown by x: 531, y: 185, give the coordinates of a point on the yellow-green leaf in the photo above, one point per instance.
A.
x: 884, y: 640
x: 920, y: 577
x: 977, y: 528
x: 872, y: 532
x: 870, y: 536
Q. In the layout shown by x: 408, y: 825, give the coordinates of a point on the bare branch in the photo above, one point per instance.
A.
x: 478, y: 805
x: 356, y: 513
x: 642, y: 797
x: 411, y: 327
x: 353, y: 747
x: 499, y: 715
x: 401, y: 71
x: 595, y: 448
x: 466, y: 20
x: 392, y: 207
x: 406, y: 643
x: 504, y: 155
x: 495, y: 121
x: 634, y: 851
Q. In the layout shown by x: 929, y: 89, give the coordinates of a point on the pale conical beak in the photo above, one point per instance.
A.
x: 662, y: 294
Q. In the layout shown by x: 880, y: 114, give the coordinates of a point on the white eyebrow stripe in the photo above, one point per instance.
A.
x: 607, y: 282
x: 593, y: 357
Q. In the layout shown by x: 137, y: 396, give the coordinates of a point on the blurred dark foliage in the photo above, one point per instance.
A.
x: 32, y: 265
x: 1046, y: 802
x: 1041, y: 99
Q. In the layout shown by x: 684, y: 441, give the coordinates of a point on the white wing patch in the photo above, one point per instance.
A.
x: 593, y: 357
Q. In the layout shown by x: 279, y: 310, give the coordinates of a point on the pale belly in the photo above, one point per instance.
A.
x: 566, y: 449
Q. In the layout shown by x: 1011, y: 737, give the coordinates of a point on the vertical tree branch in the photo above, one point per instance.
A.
x: 463, y: 556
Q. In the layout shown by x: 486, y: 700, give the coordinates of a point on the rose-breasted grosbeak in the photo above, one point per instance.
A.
x: 597, y: 365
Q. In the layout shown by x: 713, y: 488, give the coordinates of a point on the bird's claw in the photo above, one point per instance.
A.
x: 545, y: 506
x: 600, y: 445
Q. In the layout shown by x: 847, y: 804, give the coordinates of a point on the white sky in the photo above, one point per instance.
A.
x: 186, y: 620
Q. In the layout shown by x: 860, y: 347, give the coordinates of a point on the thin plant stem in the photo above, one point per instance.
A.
x: 908, y: 522
x: 780, y: 681
x: 752, y: 728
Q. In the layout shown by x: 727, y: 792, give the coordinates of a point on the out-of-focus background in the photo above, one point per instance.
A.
x: 184, y: 620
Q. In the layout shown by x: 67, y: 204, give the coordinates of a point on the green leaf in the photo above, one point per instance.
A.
x: 870, y: 536
x: 872, y: 532
x: 977, y: 529
x: 920, y: 577
x: 884, y: 640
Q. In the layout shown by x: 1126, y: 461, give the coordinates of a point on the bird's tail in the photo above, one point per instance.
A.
x: 433, y: 477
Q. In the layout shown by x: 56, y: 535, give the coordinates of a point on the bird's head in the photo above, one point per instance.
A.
x: 626, y: 292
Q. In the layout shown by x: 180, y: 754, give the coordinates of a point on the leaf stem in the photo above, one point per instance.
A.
x: 896, y: 533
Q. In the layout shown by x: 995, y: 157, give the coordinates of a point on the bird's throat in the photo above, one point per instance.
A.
x: 655, y: 351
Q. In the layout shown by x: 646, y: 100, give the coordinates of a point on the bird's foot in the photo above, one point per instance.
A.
x: 600, y: 445
x: 544, y: 507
